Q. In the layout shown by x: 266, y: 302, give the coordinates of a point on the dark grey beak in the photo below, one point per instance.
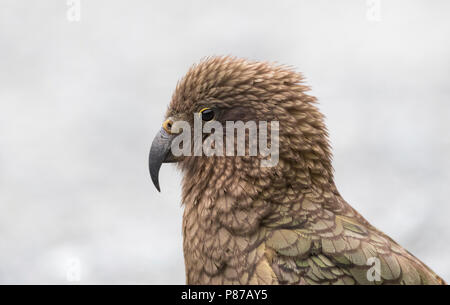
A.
x: 159, y: 154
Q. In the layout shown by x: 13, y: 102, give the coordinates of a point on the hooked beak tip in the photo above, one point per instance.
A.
x: 154, y: 176
x: 158, y: 154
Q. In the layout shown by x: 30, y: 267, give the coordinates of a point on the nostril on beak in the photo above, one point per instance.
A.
x: 167, y: 125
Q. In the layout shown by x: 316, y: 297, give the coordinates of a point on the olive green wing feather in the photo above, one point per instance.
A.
x: 314, y: 245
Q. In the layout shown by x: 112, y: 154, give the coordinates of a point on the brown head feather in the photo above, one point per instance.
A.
x: 246, y: 90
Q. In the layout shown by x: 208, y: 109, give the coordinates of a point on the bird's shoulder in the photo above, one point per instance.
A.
x: 320, y: 239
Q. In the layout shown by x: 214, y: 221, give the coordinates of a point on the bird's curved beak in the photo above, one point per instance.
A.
x: 160, y: 153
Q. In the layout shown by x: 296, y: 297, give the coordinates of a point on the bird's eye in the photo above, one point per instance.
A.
x: 207, y: 114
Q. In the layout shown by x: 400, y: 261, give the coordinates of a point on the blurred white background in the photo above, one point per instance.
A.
x: 81, y: 101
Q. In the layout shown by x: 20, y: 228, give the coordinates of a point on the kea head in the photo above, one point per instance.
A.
x: 228, y: 89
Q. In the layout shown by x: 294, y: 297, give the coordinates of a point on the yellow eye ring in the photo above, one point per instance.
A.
x: 207, y: 114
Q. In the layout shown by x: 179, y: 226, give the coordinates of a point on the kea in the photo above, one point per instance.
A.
x: 245, y: 223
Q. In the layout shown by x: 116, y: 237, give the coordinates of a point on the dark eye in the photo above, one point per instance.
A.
x: 207, y: 114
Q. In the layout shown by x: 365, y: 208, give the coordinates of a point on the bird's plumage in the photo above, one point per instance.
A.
x: 287, y: 224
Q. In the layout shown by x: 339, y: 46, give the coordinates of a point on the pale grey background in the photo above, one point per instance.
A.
x: 80, y: 103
